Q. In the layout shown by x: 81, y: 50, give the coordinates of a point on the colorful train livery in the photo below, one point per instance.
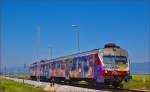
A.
x: 109, y: 65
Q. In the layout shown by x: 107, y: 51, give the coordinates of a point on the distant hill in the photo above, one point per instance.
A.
x: 15, y: 70
x: 140, y: 68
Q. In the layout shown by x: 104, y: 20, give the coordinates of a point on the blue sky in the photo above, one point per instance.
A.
x: 124, y: 23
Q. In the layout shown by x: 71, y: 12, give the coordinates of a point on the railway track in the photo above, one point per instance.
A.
x: 102, y: 87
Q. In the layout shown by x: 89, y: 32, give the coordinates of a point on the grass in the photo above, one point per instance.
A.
x: 138, y: 82
x: 12, y: 86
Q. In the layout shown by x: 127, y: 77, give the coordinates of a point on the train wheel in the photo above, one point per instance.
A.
x: 121, y: 85
x: 117, y: 85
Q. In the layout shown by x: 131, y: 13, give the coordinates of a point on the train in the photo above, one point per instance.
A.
x: 109, y: 65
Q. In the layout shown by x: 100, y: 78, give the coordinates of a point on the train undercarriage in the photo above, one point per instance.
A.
x: 113, y: 82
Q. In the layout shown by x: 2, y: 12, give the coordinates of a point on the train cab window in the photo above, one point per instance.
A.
x: 114, y: 59
x: 121, y: 60
x: 109, y: 59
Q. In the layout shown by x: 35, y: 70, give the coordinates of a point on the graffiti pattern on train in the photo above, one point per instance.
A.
x: 82, y: 67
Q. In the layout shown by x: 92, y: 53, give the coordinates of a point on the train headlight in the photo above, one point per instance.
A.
x: 106, y: 71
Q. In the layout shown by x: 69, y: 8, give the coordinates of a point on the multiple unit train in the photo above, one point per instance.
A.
x: 109, y: 65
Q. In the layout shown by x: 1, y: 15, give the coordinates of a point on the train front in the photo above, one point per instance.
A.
x: 115, y: 63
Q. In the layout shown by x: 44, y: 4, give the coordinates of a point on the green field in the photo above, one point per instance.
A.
x: 138, y: 82
x: 12, y: 86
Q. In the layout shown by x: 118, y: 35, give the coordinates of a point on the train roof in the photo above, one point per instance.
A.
x: 68, y: 56
x: 74, y: 55
x: 106, y: 46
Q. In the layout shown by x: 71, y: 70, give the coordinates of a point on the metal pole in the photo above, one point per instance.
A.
x: 78, y: 39
x: 24, y: 72
x: 24, y: 68
x: 50, y: 52
x: 38, y: 61
x: 5, y: 70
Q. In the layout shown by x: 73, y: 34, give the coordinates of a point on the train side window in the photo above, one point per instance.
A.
x: 49, y: 66
x: 91, y: 63
x: 74, y: 64
x: 46, y: 66
x: 58, y: 65
x: 63, y: 65
x: 70, y: 65
x: 53, y: 66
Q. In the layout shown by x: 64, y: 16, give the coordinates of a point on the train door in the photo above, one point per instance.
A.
x: 46, y: 74
x: 67, y: 69
x: 98, y: 70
